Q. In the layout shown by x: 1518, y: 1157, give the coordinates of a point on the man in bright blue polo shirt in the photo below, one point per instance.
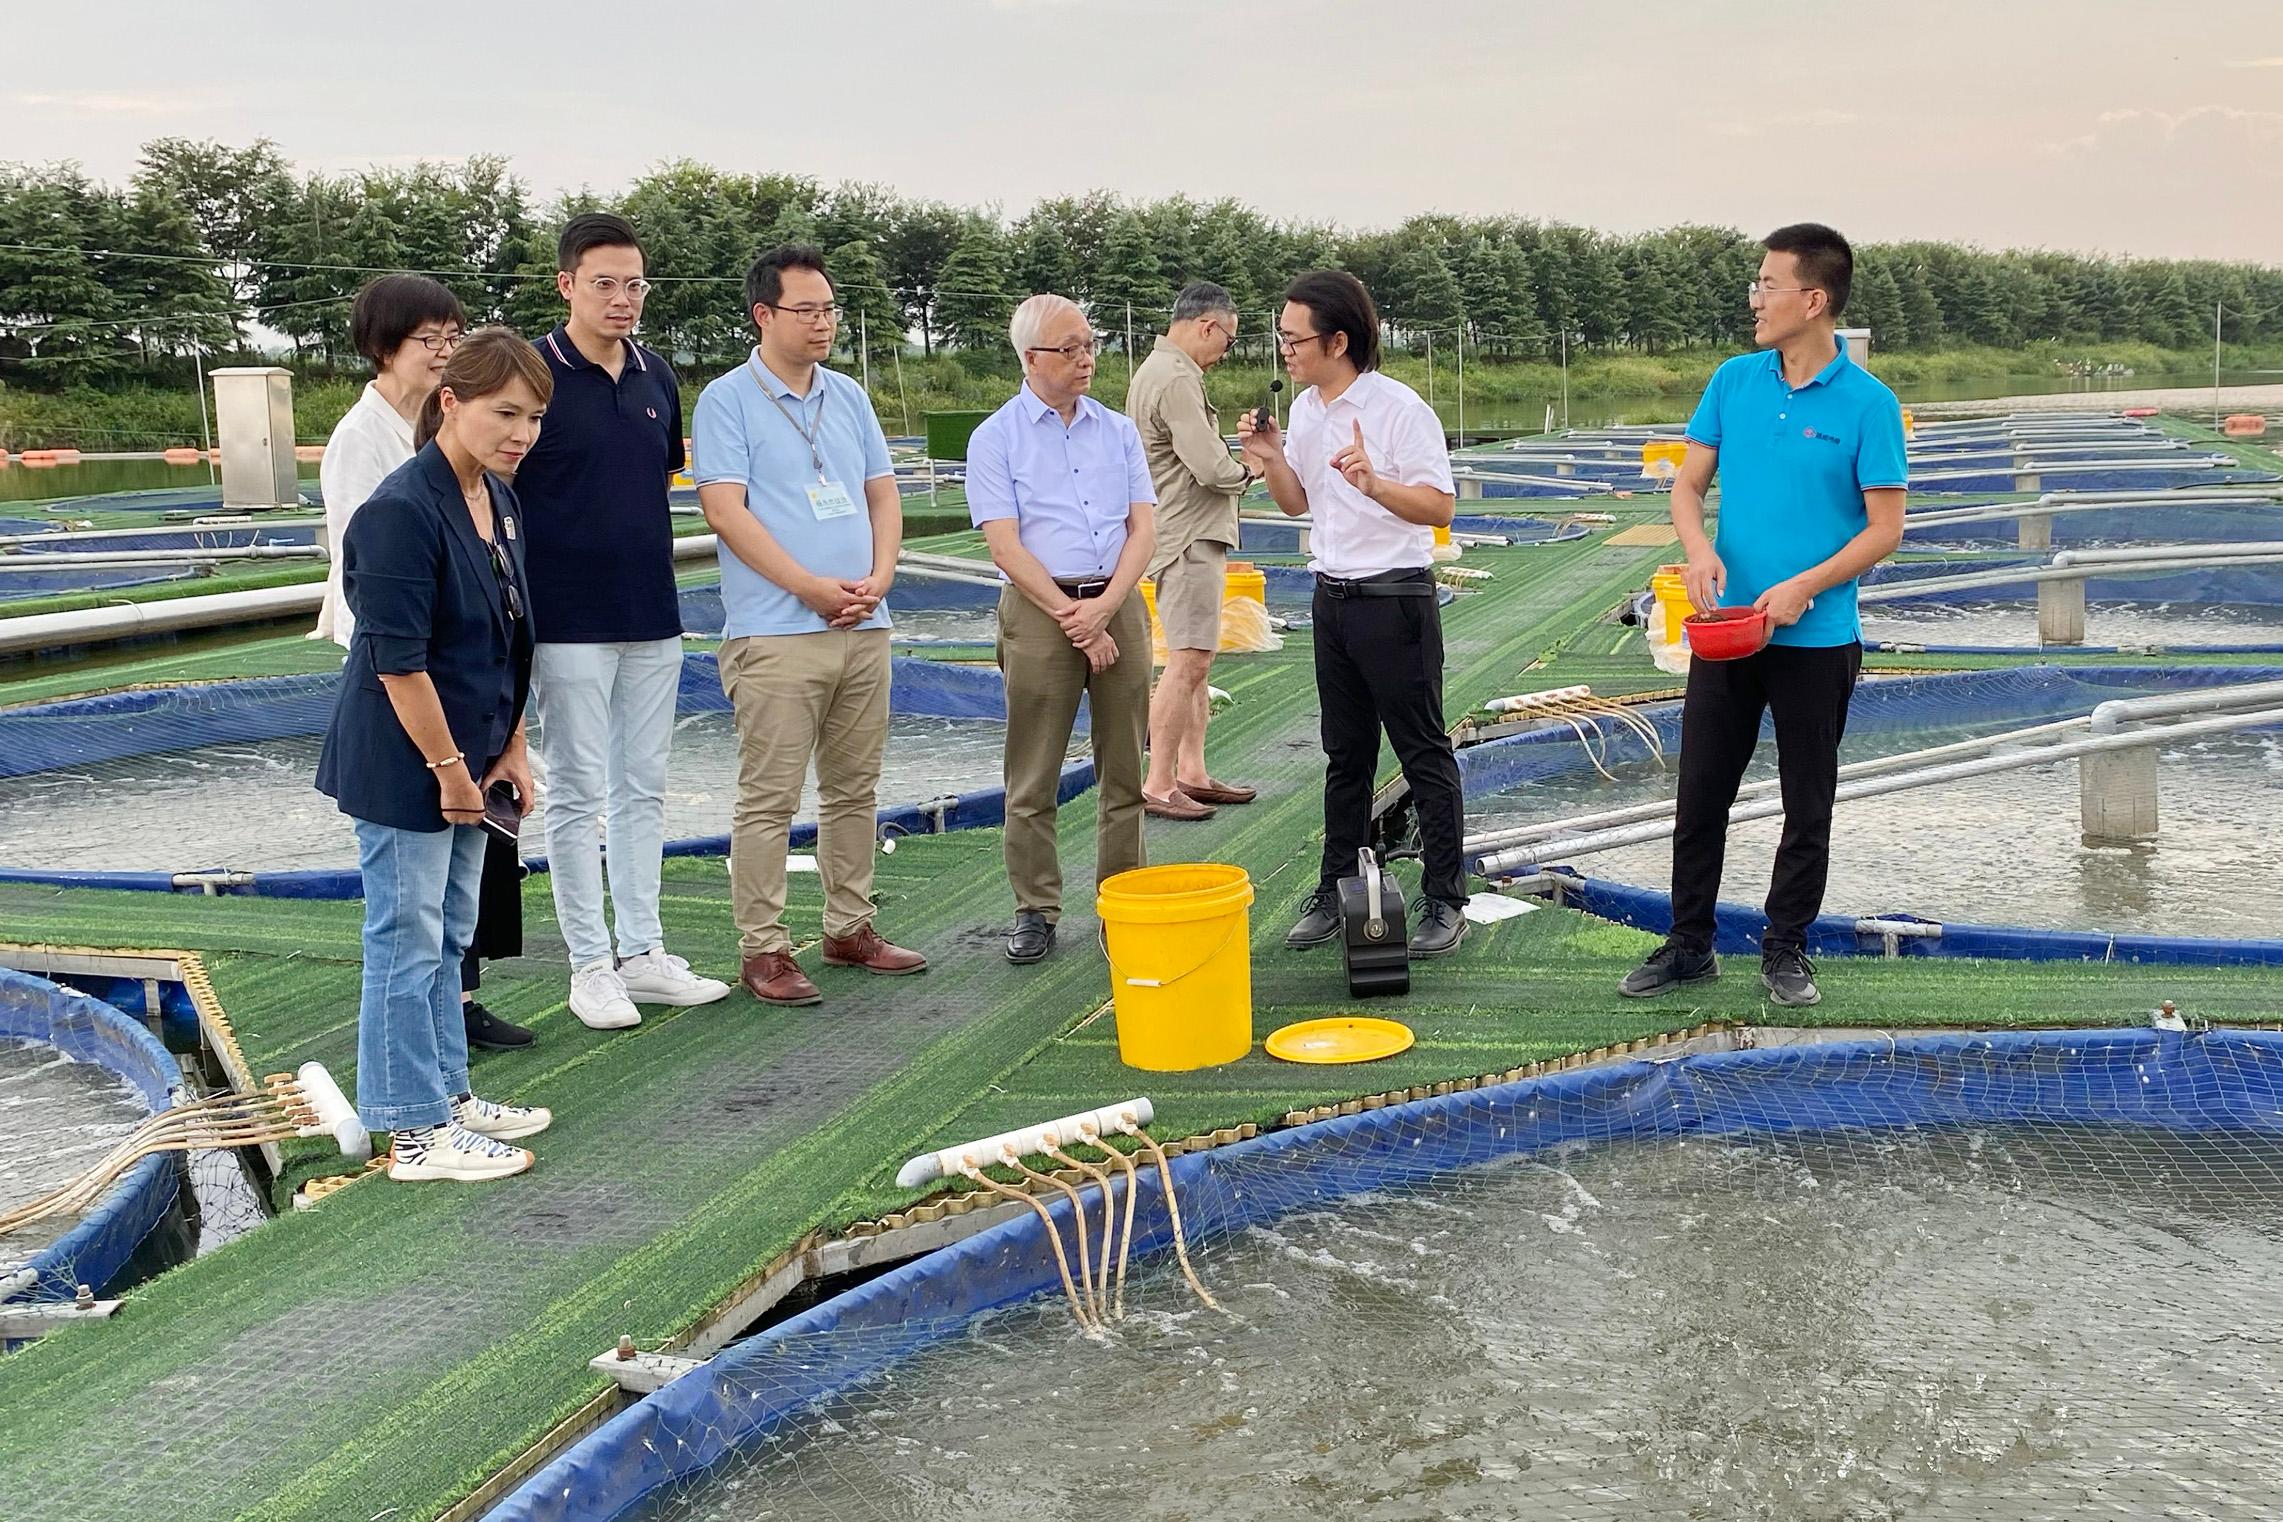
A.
x: 608, y: 662
x: 1809, y: 449
x: 793, y: 472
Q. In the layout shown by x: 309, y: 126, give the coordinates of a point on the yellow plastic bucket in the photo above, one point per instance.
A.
x: 1673, y: 604
x: 1242, y: 579
x: 1180, y: 964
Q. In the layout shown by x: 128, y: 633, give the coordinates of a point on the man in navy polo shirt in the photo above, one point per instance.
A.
x: 608, y: 625
x: 1809, y: 449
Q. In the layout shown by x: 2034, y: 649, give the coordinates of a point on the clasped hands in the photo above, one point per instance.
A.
x: 1084, y: 622
x: 843, y: 604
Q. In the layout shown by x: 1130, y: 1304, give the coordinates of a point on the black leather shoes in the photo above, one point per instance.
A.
x: 490, y: 1032
x: 1441, y: 927
x: 1032, y: 939
x: 1319, y: 920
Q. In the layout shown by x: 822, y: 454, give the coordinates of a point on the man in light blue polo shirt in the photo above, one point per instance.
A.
x: 1809, y: 450
x: 793, y: 473
x: 1060, y: 487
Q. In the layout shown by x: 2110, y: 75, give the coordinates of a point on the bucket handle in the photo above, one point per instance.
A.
x: 1102, y: 934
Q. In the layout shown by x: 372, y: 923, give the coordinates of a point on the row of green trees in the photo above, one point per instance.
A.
x: 100, y: 281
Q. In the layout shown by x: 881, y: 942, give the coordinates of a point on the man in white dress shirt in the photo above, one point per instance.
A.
x: 1365, y: 460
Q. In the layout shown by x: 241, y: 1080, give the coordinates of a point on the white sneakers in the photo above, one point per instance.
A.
x: 497, y: 1121
x: 604, y: 996
x: 598, y: 998
x: 453, y: 1152
x: 656, y: 977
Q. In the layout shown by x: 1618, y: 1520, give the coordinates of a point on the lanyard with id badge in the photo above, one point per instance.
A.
x: 828, y: 499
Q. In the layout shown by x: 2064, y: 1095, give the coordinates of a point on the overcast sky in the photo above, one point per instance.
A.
x: 2130, y: 128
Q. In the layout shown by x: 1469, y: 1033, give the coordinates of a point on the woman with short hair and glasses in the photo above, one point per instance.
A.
x: 406, y: 325
x: 427, y: 721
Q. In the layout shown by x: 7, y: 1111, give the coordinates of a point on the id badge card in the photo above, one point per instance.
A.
x: 830, y: 500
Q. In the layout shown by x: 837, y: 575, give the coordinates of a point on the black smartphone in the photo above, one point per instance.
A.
x: 503, y: 811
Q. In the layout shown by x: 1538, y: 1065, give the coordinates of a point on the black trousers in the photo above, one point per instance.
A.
x: 499, y: 911
x: 1379, y: 665
x: 1805, y: 689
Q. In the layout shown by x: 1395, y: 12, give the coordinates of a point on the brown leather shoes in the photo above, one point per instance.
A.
x: 867, y: 950
x: 1176, y: 805
x: 774, y: 977
x: 1210, y: 791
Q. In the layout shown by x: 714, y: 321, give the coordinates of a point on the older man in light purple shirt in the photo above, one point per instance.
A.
x: 1059, y: 486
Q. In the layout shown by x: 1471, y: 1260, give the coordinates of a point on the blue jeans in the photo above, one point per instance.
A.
x: 420, y: 914
x: 606, y: 724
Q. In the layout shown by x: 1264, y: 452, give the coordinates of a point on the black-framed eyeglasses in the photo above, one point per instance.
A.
x: 439, y: 343
x: 504, y: 569
x: 831, y: 313
x: 1289, y: 345
x: 1068, y: 351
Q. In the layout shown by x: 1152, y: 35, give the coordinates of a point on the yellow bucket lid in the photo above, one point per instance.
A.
x: 1340, y: 1038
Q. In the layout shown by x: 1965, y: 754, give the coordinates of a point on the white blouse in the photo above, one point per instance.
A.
x: 368, y: 444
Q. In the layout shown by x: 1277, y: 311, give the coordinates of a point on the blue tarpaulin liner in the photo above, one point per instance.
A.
x: 233, y: 536
x: 43, y: 737
x: 35, y: 1010
x: 2205, y: 1083
x: 19, y: 580
x: 2136, y: 523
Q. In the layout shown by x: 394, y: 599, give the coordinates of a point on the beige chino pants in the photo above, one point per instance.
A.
x: 800, y: 697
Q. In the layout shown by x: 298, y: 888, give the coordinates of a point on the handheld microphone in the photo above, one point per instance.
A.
x: 1264, y: 415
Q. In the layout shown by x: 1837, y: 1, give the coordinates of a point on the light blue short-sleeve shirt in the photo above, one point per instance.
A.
x: 749, y: 427
x: 1069, y: 489
x: 1794, y: 464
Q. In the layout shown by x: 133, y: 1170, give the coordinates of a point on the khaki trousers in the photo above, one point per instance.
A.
x: 800, y: 697
x: 1046, y: 676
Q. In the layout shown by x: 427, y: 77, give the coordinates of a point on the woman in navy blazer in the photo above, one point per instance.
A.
x: 427, y: 720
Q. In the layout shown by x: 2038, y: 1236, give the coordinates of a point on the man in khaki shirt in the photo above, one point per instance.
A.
x: 1198, y: 483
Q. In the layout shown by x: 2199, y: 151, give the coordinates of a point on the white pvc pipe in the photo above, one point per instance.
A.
x: 40, y: 558
x: 2106, y: 717
x: 336, y: 1117
x: 950, y: 1162
x: 2054, y: 503
x: 1641, y: 834
x: 1524, y: 702
x: 186, y: 530
x: 2159, y: 553
x: 122, y: 620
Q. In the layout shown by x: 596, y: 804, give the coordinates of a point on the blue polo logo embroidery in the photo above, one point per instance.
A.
x: 653, y: 413
x: 1821, y: 438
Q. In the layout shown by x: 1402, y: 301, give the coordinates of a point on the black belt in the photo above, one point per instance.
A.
x: 1084, y: 589
x: 1412, y: 583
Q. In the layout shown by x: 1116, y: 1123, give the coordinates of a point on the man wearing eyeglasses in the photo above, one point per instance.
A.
x: 1198, y: 484
x: 793, y: 471
x: 1059, y: 486
x: 608, y: 662
x: 1810, y: 453
x: 1366, y: 461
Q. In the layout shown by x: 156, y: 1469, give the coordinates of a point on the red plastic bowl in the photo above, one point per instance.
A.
x: 1727, y: 634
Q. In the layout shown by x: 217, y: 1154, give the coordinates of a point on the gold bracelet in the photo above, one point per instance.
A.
x: 447, y: 761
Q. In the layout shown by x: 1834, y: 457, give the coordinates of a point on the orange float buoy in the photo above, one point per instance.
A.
x: 181, y: 456
x: 38, y: 459
x: 309, y: 454
x: 2245, y: 425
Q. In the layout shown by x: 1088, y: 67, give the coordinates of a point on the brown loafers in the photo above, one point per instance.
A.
x: 1176, y: 805
x: 1219, y: 792
x: 866, y: 949
x: 775, y: 978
